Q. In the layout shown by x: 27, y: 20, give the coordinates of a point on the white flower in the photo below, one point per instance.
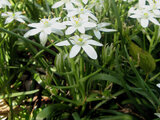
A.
x: 84, y: 42
x: 45, y: 27
x: 4, y: 3
x: 13, y: 16
x: 81, y: 11
x: 101, y: 27
x: 68, y: 3
x: 79, y: 24
x: 144, y: 15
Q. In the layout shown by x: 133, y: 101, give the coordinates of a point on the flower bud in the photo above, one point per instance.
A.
x: 107, y: 53
x: 144, y: 59
x: 59, y: 62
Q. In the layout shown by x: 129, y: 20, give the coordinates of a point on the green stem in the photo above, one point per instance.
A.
x: 81, y: 67
x: 75, y: 75
x: 154, y: 40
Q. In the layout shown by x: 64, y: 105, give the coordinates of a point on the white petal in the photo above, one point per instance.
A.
x: 20, y: 20
x: 90, y: 51
x: 93, y: 17
x: 157, y: 114
x: 67, y: 23
x: 70, y: 30
x: 76, y: 2
x: 135, y: 16
x: 7, y: 3
x: 89, y: 24
x: 81, y: 29
x: 4, y: 15
x: 84, y: 17
x: 154, y: 20
x: 142, y: 3
x: 74, y: 37
x: 74, y: 51
x: 72, y: 13
x: 58, y: 4
x: 58, y: 32
x: 107, y: 30
x: 158, y: 85
x: 93, y: 42
x: 85, y: 36
x: 104, y: 24
x: 59, y: 26
x: 144, y: 22
x: 97, y: 34
x: 18, y: 13
x: 47, y: 30
x: 156, y: 12
x: 69, y: 5
x: 43, y: 38
x: 34, y: 25
x: 8, y: 20
x: 63, y: 43
x: 31, y: 32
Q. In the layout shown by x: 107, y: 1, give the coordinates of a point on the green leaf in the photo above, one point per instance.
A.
x: 18, y: 94
x: 51, y: 109
x: 117, y: 117
x: 76, y: 116
x: 102, y: 76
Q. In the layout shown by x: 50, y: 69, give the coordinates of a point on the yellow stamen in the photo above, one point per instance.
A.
x: 80, y: 39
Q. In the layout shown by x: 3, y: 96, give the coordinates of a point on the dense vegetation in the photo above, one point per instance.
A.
x: 79, y: 59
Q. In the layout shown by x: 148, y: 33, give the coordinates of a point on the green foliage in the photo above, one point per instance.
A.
x: 42, y: 82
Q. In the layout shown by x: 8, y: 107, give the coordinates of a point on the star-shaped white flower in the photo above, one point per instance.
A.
x: 82, y: 41
x: 4, y: 3
x: 45, y: 27
x: 144, y: 16
x: 81, y: 11
x: 101, y: 27
x: 68, y: 3
x: 13, y: 16
x: 80, y: 24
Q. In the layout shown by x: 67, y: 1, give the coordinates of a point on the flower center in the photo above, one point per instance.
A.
x: 82, y: 9
x: 13, y: 15
x: 146, y: 15
x: 77, y: 23
x: 46, y: 23
x: 80, y: 39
